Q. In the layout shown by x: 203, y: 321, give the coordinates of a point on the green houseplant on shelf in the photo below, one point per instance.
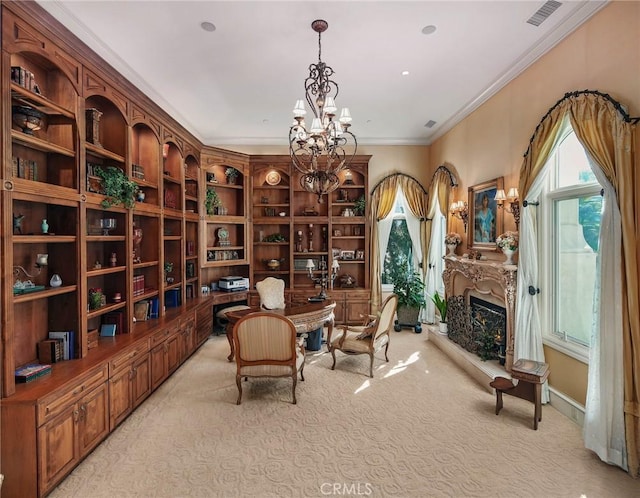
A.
x: 409, y: 288
x: 231, y: 174
x: 212, y: 201
x: 117, y: 187
x: 360, y: 205
x: 441, y: 306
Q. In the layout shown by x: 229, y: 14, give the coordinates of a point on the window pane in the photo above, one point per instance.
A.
x: 573, y: 165
x: 577, y: 223
x: 399, y: 256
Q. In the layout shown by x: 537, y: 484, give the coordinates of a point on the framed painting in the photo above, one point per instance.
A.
x: 485, y: 219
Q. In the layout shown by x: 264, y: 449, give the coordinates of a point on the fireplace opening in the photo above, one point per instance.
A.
x: 489, y: 329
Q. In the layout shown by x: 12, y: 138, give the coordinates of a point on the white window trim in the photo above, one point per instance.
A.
x: 549, y: 196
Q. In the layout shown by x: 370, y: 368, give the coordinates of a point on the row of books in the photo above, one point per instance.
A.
x: 68, y: 338
x: 146, y: 309
x: 137, y: 171
x: 138, y: 285
x: 24, y: 168
x: 25, y: 78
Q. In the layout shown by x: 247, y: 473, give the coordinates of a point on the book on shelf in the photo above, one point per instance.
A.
x: 50, y: 350
x: 68, y: 340
x: 154, y: 307
x: 114, y: 318
x: 108, y: 330
x: 141, y: 310
x: 30, y: 372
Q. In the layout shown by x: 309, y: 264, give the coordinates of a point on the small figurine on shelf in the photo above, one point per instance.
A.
x: 113, y: 260
x: 17, y: 223
x: 299, y: 241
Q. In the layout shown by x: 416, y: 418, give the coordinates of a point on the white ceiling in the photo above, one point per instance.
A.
x: 238, y: 84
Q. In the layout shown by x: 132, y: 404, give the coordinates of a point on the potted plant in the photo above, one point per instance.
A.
x: 360, y: 205
x: 116, y: 187
x: 168, y: 268
x: 231, y: 174
x: 212, y: 201
x: 441, y: 306
x: 409, y: 288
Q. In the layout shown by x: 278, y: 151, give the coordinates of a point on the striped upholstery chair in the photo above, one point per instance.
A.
x: 367, y: 339
x: 266, y: 346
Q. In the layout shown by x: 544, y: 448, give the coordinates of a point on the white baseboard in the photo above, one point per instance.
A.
x: 567, y: 406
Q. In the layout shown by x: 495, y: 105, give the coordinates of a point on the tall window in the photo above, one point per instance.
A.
x: 571, y: 211
x: 399, y: 256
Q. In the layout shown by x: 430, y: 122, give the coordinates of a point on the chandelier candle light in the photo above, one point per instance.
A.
x: 319, y: 152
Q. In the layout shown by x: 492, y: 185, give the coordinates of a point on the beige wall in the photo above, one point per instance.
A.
x: 603, y: 54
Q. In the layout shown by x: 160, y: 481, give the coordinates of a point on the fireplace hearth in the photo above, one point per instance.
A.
x: 481, y: 314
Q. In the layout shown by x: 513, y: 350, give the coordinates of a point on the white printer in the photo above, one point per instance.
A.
x: 233, y: 283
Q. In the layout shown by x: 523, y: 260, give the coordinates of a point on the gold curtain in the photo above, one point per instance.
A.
x: 439, y: 191
x: 609, y: 139
x: 417, y: 200
x: 383, y: 198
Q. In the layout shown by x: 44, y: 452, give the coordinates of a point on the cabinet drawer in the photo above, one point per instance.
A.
x: 124, y: 359
x: 163, y: 335
x: 57, y: 401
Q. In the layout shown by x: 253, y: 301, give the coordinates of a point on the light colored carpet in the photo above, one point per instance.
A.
x: 420, y: 428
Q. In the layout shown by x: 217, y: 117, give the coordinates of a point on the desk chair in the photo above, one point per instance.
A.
x: 266, y: 346
x: 271, y: 291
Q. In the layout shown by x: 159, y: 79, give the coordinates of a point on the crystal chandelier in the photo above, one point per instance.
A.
x: 319, y: 152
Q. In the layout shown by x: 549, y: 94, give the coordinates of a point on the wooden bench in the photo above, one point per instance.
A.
x: 530, y: 375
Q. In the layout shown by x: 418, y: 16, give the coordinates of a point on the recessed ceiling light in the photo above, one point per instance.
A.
x: 427, y: 30
x: 405, y: 73
x: 208, y: 26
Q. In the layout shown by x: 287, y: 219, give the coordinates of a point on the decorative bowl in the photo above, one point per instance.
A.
x: 27, y: 118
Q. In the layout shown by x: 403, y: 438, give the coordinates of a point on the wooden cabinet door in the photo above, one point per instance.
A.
x: 141, y: 381
x: 58, y: 449
x: 120, y: 396
x: 93, y: 423
x: 159, y: 366
x: 173, y: 352
x: 356, y: 309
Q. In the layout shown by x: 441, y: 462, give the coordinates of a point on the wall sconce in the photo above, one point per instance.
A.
x: 512, y: 199
x: 460, y: 210
x: 41, y: 261
x: 324, y: 278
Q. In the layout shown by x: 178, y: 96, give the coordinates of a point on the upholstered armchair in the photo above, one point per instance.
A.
x: 271, y: 291
x: 266, y: 346
x: 369, y: 338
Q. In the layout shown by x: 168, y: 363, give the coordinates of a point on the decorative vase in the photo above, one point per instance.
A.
x: 509, y: 254
x: 44, y: 226
x: 141, y: 195
x: 452, y: 249
x: 442, y: 326
x: 55, y: 281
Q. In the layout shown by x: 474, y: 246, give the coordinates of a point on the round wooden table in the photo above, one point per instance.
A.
x: 305, y: 317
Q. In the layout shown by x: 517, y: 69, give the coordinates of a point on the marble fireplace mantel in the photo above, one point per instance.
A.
x: 490, y: 279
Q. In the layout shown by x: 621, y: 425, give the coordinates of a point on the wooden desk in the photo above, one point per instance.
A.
x: 530, y: 375
x: 306, y: 318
